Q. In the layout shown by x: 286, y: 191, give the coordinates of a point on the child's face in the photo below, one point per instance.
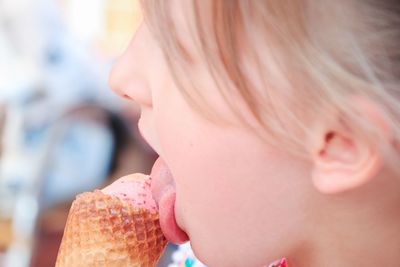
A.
x: 240, y: 201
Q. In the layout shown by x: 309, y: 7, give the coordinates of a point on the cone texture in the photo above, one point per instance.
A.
x: 102, y: 230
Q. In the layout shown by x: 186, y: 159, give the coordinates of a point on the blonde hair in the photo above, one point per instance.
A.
x: 323, y: 53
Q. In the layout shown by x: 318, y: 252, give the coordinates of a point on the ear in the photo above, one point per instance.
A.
x: 343, y: 160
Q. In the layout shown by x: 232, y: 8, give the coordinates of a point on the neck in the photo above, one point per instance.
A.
x: 360, y: 248
x: 361, y: 233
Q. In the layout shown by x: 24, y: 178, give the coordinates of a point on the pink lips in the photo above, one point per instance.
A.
x: 163, y: 191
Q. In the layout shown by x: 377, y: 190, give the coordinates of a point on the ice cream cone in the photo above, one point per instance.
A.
x: 103, y: 230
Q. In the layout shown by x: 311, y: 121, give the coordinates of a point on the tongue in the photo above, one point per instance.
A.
x: 164, y: 193
x: 145, y: 192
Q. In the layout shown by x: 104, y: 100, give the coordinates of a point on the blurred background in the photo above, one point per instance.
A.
x: 62, y: 131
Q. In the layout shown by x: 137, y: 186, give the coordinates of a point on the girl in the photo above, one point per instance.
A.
x: 277, y: 124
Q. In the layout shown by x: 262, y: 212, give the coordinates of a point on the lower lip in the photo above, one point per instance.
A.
x: 166, y: 203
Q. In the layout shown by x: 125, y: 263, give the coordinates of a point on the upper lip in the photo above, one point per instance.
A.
x: 145, y: 136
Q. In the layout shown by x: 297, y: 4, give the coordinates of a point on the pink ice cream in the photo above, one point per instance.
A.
x: 134, y: 189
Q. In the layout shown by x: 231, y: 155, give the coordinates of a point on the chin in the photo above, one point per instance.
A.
x: 241, y: 257
x: 214, y: 257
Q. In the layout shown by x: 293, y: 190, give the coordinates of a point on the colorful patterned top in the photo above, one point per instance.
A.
x: 184, y: 257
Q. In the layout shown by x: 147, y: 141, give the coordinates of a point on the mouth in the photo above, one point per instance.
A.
x: 163, y: 190
x: 164, y: 193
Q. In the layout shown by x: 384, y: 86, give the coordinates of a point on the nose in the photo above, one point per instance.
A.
x: 128, y: 75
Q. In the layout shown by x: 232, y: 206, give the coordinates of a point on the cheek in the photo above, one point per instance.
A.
x: 231, y: 187
x: 199, y: 154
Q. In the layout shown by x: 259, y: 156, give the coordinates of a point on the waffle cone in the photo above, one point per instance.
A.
x: 103, y: 230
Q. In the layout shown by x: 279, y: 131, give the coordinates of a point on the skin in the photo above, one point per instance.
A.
x: 243, y: 202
